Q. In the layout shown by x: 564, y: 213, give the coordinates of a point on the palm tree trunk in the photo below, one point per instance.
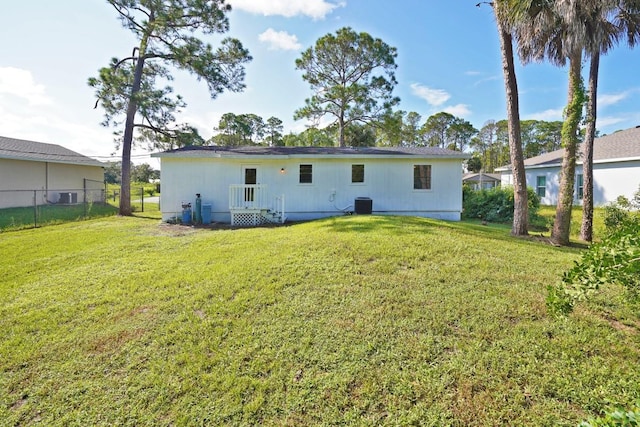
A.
x: 520, y: 202
x: 575, y: 101
x: 586, y: 230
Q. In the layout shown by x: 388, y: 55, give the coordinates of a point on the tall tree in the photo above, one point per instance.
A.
x: 165, y: 30
x: 273, y: 130
x: 610, y: 20
x: 459, y: 134
x: 411, y: 134
x: 546, y: 33
x: 506, y: 26
x: 436, y: 129
x: 352, y: 76
x: 390, y: 129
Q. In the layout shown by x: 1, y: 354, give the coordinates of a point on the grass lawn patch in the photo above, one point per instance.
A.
x: 361, y: 320
x: 27, y: 217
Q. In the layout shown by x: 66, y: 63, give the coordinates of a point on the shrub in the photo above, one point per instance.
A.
x: 615, y: 260
x: 616, y: 418
x: 495, y: 204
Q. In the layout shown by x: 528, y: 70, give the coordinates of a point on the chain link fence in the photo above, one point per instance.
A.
x: 33, y: 208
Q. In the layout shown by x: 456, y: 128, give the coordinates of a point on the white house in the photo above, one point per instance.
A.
x: 616, y: 170
x: 482, y: 180
x: 34, y: 172
x: 251, y: 185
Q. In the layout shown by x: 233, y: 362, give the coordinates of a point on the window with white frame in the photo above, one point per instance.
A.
x: 541, y: 186
x: 579, y: 186
x: 422, y: 177
x: 357, y: 174
x: 306, y: 174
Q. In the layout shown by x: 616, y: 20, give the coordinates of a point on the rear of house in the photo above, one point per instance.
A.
x: 37, y: 173
x: 249, y: 185
x: 616, y: 170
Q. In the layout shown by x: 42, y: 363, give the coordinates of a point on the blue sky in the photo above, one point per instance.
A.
x: 448, y: 60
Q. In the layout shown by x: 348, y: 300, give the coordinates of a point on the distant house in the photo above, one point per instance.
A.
x: 481, y: 180
x: 616, y: 170
x: 34, y: 172
x: 252, y: 185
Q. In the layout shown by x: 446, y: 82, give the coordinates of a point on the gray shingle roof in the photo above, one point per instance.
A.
x: 314, y: 151
x: 485, y: 176
x: 20, y: 149
x: 623, y: 144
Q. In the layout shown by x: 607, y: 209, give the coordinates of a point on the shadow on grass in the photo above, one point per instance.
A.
x: 396, y: 225
x: 405, y: 225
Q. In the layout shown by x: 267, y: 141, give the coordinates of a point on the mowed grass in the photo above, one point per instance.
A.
x: 12, y: 219
x: 361, y: 320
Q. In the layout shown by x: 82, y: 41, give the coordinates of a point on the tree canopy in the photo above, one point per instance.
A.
x: 167, y: 32
x: 352, y: 76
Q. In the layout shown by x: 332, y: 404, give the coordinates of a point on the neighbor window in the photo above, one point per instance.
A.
x: 306, y: 174
x: 357, y: 173
x: 579, y: 186
x: 422, y: 177
x: 541, y: 186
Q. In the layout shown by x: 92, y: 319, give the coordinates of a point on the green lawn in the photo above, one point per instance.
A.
x: 361, y: 320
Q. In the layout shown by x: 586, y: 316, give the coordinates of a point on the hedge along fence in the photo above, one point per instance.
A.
x: 496, y: 204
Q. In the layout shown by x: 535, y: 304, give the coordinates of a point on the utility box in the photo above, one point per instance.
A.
x: 363, y: 205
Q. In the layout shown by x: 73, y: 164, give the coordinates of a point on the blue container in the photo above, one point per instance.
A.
x: 186, y: 216
x: 197, y: 215
x: 206, y: 214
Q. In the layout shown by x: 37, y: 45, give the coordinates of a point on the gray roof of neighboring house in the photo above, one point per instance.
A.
x: 20, y: 149
x: 485, y: 176
x: 621, y: 145
x: 218, y: 151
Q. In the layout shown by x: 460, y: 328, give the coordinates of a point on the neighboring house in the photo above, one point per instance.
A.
x: 616, y: 170
x: 36, y: 173
x: 481, y: 180
x: 252, y: 185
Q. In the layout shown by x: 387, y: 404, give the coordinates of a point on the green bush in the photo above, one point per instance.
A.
x: 615, y: 260
x: 495, y: 204
x: 616, y: 418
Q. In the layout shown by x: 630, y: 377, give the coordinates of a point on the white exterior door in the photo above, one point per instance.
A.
x: 249, y: 179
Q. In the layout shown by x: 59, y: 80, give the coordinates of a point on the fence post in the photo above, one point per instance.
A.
x: 35, y: 209
x: 84, y: 197
x: 142, y: 197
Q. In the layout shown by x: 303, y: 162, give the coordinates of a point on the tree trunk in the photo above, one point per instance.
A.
x: 586, y: 230
x: 562, y: 222
x: 520, y: 202
x: 341, y: 131
x: 127, y: 139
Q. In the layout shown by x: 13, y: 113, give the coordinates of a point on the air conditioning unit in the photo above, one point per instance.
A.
x: 68, y: 198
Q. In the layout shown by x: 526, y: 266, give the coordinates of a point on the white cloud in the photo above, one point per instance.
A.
x: 434, y: 97
x: 20, y: 83
x: 605, y: 100
x: 460, y: 110
x: 547, y: 115
x: 316, y: 9
x: 609, y: 121
x: 279, y: 40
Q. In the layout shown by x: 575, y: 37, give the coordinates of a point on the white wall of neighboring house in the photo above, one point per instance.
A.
x: 611, y: 179
x: 48, y: 178
x: 388, y: 182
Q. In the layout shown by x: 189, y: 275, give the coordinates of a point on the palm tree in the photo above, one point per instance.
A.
x: 611, y: 20
x: 545, y: 34
x: 501, y: 9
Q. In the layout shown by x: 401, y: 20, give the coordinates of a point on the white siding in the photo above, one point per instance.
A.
x: 49, y: 178
x: 388, y: 182
x: 610, y: 181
